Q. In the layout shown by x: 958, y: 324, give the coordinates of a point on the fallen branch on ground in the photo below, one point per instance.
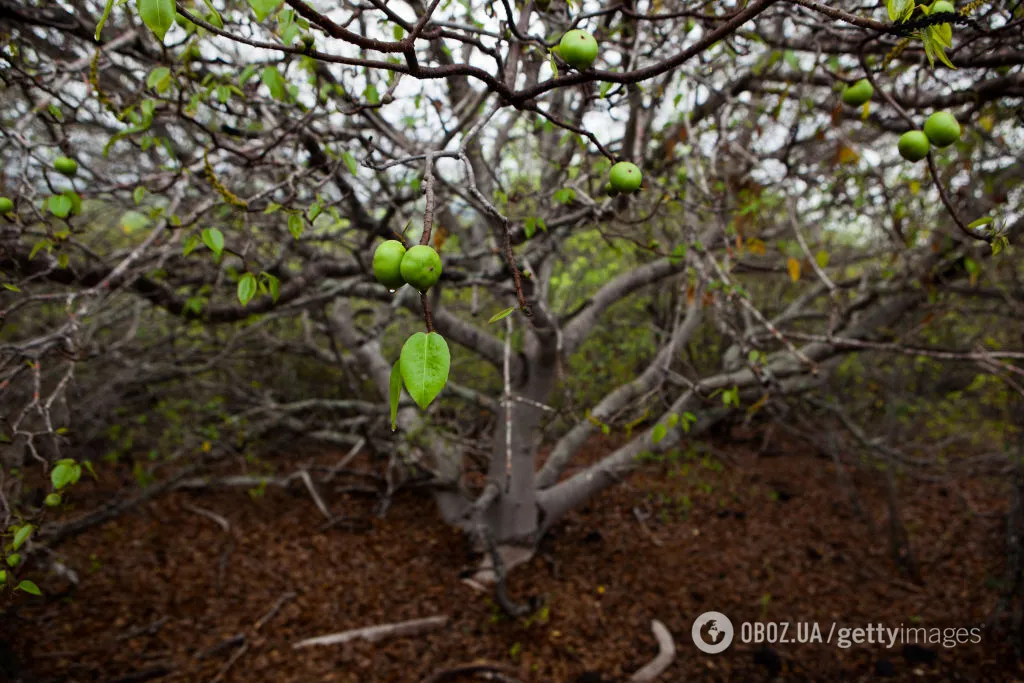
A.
x: 666, y: 653
x: 247, y: 639
x: 496, y: 672
x: 412, y: 627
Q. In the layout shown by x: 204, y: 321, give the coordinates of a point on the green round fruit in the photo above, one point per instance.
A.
x: 52, y: 500
x: 625, y: 177
x: 66, y: 165
x: 578, y: 48
x: 942, y: 129
x: 6, y: 205
x: 421, y: 267
x: 942, y: 7
x: 913, y: 145
x: 387, y: 264
x: 857, y: 94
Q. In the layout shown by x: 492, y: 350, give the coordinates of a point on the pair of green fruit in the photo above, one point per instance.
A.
x: 624, y: 177
x: 393, y: 266
x: 941, y: 129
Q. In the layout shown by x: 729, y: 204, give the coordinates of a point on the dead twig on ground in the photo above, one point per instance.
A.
x: 413, y: 627
x: 666, y: 654
x: 237, y: 654
x: 495, y: 672
x: 222, y: 522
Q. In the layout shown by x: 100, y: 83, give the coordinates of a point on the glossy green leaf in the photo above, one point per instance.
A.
x: 272, y: 78
x: 158, y: 15
x: 295, y: 225
x: 424, y: 363
x: 264, y: 8
x: 501, y: 315
x: 62, y: 475
x: 103, y: 19
x: 395, y: 392
x: 29, y: 587
x: 214, y: 240
x: 659, y: 433
x: 350, y: 161
x: 246, y: 288
x: 191, y: 242
x: 21, y: 535
x: 59, y: 205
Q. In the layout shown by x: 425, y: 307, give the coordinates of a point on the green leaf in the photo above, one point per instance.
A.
x: 371, y: 94
x: 61, y: 475
x: 158, y: 77
x: 350, y: 161
x: 501, y: 315
x: 246, y: 288
x: 29, y: 587
x: 139, y: 194
x: 565, y: 195
x: 899, y: 10
x: 395, y: 392
x: 103, y: 19
x: 59, y: 205
x: 13, y: 559
x: 398, y: 32
x: 191, y: 242
x: 296, y: 225
x: 158, y: 15
x: 424, y: 363
x: 272, y: 78
x: 274, y: 285
x: 530, y: 227
x: 21, y: 535
x: 659, y: 433
x: 263, y: 8
x: 984, y: 220
x: 12, y: 288
x: 214, y: 239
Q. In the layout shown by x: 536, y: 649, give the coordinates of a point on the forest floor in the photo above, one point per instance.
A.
x: 770, y: 538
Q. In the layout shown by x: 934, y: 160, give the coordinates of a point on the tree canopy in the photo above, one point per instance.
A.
x: 202, y: 283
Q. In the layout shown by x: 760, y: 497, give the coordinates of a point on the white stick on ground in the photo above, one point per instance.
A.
x: 413, y: 627
x: 666, y: 653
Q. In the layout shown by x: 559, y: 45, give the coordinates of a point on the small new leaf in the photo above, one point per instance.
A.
x: 29, y: 587
x: 103, y: 19
x: 263, y: 8
x: 21, y: 535
x: 659, y: 433
x: 214, y: 240
x: 501, y: 315
x: 351, y: 163
x: 395, y: 392
x: 246, y: 288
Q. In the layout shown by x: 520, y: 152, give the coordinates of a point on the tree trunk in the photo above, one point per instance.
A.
x: 514, y: 517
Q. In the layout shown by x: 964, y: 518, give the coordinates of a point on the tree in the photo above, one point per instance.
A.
x: 238, y: 163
